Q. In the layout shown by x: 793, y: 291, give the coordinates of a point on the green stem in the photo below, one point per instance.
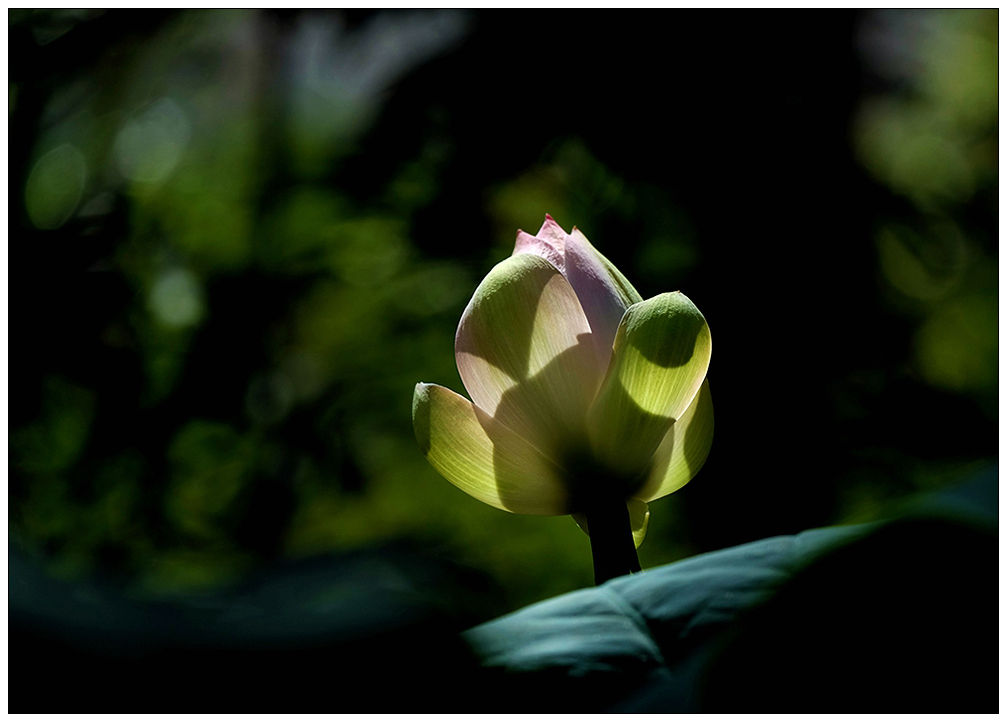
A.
x: 612, y: 545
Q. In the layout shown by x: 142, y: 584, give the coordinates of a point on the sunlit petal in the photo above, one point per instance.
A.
x: 525, y: 353
x: 483, y: 457
x: 684, y: 449
x: 660, y: 358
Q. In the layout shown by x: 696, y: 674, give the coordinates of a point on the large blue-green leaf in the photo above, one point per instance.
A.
x: 898, y: 616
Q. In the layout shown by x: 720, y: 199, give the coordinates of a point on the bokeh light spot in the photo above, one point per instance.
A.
x: 55, y: 186
x: 176, y: 298
x: 150, y: 145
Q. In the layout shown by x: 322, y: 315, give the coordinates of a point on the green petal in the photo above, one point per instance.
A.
x: 639, y: 518
x: 483, y: 457
x: 684, y: 449
x: 660, y: 358
x: 525, y: 352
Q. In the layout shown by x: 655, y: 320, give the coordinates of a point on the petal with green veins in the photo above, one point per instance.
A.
x: 525, y: 353
x: 684, y: 449
x: 659, y: 360
x: 483, y: 457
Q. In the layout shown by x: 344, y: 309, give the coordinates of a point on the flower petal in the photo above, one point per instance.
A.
x: 639, y: 518
x: 525, y: 353
x: 684, y: 449
x: 660, y: 358
x: 529, y: 244
x: 604, y: 292
x: 548, y: 243
x: 552, y: 232
x: 483, y: 457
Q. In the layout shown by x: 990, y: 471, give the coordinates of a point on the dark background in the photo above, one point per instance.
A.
x: 239, y: 238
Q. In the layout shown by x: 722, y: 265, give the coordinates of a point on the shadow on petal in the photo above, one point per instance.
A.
x: 624, y: 435
x: 483, y: 457
x: 522, y: 317
x: 676, y: 346
x: 684, y: 450
x: 549, y: 409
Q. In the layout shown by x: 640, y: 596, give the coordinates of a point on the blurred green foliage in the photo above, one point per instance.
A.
x: 235, y: 284
x: 934, y: 143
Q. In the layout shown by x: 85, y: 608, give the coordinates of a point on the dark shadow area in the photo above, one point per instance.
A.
x: 374, y: 631
x: 901, y: 621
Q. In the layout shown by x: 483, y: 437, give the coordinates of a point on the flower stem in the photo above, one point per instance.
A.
x: 612, y: 545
